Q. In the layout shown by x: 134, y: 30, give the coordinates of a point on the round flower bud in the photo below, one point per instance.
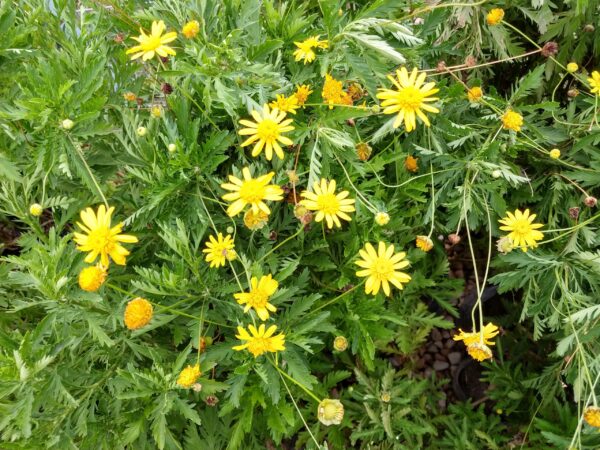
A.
x: 474, y: 94
x: 340, y: 343
x: 385, y: 397
x: 36, y: 209
x: 330, y: 412
x: 495, y: 16
x: 172, y: 148
x: 479, y: 351
x: 589, y: 28
x: 572, y: 93
x: 138, y: 313
x: 141, y: 131
x: 188, y: 376
x: 592, y: 416
x: 67, y: 124
x: 411, y: 163
x: 211, y: 400
x: 424, y: 243
x: 554, y: 153
x: 156, y: 111
x: 590, y: 201
x: 504, y: 245
x: 497, y: 173
x: 572, y: 67
x: 204, y: 341
x: 91, y: 278
x: 382, y: 218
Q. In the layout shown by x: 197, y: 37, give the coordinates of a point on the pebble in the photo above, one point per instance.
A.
x: 439, y: 344
x: 432, y: 348
x: 450, y: 343
x: 454, y: 357
x: 440, y: 365
x: 436, y: 335
x: 439, y: 357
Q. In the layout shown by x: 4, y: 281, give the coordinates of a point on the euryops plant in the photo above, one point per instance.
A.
x: 323, y: 225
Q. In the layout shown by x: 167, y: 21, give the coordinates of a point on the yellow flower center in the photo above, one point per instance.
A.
x: 100, y: 239
x: 382, y: 269
x: 258, y: 345
x: 328, y: 203
x: 410, y: 98
x: 330, y: 410
x: 252, y: 191
x: 521, y: 227
x: 152, y: 43
x: 257, y: 299
x: 268, y: 130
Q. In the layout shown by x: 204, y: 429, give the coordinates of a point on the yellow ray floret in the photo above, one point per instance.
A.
x: 260, y: 341
x: 382, y: 267
x: 329, y: 206
x: 153, y: 43
x: 490, y: 331
x: 410, y: 99
x: 251, y: 191
x: 99, y: 239
x: 258, y: 297
x: 523, y: 232
x: 267, y: 132
x: 305, y: 48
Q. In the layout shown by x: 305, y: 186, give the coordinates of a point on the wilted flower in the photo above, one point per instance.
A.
x: 424, y: 243
x: 411, y: 163
x: 330, y: 412
x: 592, y: 416
x: 549, y: 49
x: 138, y: 313
x: 504, y: 245
x: 363, y: 151
x: 130, y: 96
x: 590, y: 201
x: 255, y: 220
x: 479, y: 351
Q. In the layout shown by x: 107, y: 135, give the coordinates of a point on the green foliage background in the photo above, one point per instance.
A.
x: 72, y: 376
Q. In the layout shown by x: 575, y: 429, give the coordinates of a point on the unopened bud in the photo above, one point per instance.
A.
x: 590, y: 201
x: 67, y: 124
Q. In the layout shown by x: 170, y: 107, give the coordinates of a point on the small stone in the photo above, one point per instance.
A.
x: 450, y: 343
x: 432, y: 349
x: 440, y: 357
x: 445, y: 351
x: 445, y: 334
x: 454, y: 357
x: 420, y: 364
x: 428, y: 372
x: 438, y: 366
x: 436, y: 335
x: 439, y: 344
x: 428, y: 357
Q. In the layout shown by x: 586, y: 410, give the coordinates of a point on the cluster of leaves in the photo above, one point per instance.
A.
x: 72, y: 376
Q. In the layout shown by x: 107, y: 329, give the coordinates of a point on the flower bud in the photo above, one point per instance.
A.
x: 67, y: 124
x: 590, y: 201
x: 454, y: 238
x: 340, y: 343
x: 572, y: 67
x: 497, y: 173
x: 172, y: 148
x: 36, y: 209
x: 141, y: 131
x: 572, y: 93
x: 385, y: 397
x: 375, y: 108
x: 554, y: 153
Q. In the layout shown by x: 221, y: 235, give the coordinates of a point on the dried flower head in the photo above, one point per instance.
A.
x: 138, y: 313
x: 479, y: 351
x: 424, y: 243
x: 363, y: 151
x: 549, y: 49
x: 330, y: 412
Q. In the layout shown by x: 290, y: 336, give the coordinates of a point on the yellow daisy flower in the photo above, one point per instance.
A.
x: 381, y: 268
x: 512, y: 120
x: 490, y: 331
x: 251, y: 191
x: 285, y: 104
x: 305, y: 49
x: 329, y: 206
x: 594, y: 81
x: 91, y: 278
x: 333, y: 92
x: 191, y: 29
x: 523, y: 232
x: 188, y: 376
x: 267, y: 132
x: 474, y: 94
x: 258, y: 297
x: 219, y: 250
x: 302, y: 93
x: 99, y: 239
x: 495, y: 16
x: 138, y: 313
x: 410, y: 100
x: 260, y: 341
x: 592, y: 416
x: 154, y: 43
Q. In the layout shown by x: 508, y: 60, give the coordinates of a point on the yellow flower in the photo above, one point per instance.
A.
x: 424, y: 243
x: 495, y: 16
x: 554, y: 153
x: 512, y: 120
x: 285, y: 104
x: 592, y: 416
x: 255, y: 221
x: 138, y: 313
x: 523, y: 232
x: 479, y: 351
x: 410, y: 100
x: 258, y: 297
x: 595, y: 82
x: 382, y: 218
x: 91, y: 278
x: 219, y: 250
x: 572, y: 67
x: 99, y: 239
x: 130, y: 96
x: 154, y: 43
x: 474, y: 94
x: 333, y: 92
x: 490, y: 331
x: 188, y: 376
x: 302, y: 93
x: 330, y: 412
x: 36, y: 209
x: 363, y: 151
x: 340, y: 343
x: 330, y: 206
x: 156, y: 111
x: 251, y: 191
x: 305, y: 49
x: 382, y: 268
x: 267, y: 132
x: 260, y: 341
x: 411, y: 163
x: 191, y: 29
